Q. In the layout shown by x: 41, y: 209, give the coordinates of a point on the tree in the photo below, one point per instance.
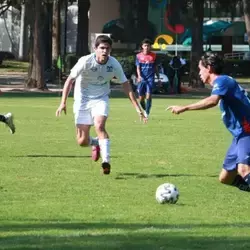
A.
x: 82, y: 28
x: 36, y: 70
x: 246, y: 10
x: 228, y: 6
x: 56, y: 31
x: 23, y: 39
x: 22, y: 33
x: 197, y: 43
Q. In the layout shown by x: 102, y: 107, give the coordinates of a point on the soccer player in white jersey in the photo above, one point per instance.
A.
x: 92, y: 75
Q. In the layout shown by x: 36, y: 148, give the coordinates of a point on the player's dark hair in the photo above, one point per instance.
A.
x: 146, y: 41
x: 103, y: 39
x: 214, y: 60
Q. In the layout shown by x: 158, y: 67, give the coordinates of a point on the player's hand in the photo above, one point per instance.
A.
x: 61, y: 108
x: 139, y: 79
x: 143, y: 118
x: 176, y: 109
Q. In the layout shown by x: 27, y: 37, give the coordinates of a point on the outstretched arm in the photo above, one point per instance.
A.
x: 206, y: 103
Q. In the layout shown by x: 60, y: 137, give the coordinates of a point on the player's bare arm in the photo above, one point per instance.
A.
x: 66, y: 89
x: 206, y: 103
x: 138, y: 70
x: 129, y: 92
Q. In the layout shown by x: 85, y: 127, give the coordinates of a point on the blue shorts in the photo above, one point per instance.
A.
x: 145, y: 87
x: 238, y: 152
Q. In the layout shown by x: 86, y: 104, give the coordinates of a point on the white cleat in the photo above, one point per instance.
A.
x: 10, y: 122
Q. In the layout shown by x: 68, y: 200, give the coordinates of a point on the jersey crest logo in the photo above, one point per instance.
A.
x: 109, y: 68
x: 100, y: 78
x: 94, y: 69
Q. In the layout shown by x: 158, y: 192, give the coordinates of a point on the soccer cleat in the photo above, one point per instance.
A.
x: 95, y: 153
x: 106, y: 168
x: 10, y: 122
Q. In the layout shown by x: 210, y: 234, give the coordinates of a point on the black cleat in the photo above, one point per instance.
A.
x: 106, y: 168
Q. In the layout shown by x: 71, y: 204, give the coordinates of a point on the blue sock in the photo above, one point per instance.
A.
x: 148, y: 105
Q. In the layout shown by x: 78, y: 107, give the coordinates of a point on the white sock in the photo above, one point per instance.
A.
x: 105, y: 149
x: 93, y: 141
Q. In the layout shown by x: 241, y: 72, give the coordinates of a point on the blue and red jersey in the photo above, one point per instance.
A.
x: 147, y: 65
x: 234, y: 105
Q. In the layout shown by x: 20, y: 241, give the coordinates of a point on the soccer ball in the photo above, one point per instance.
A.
x: 167, y: 193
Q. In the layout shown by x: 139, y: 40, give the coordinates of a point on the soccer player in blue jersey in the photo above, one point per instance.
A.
x: 146, y: 69
x: 91, y: 75
x: 235, y: 107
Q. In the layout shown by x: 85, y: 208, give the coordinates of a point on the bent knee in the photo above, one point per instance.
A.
x: 227, y: 180
x: 83, y: 142
x: 223, y: 180
x: 99, y: 127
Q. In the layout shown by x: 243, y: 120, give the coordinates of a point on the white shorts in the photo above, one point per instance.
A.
x: 86, y: 112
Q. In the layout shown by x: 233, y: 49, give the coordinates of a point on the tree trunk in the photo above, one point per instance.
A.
x: 47, y: 33
x: 36, y: 72
x: 246, y: 9
x: 64, y: 16
x: 142, y: 20
x: 22, y: 40
x: 56, y: 31
x: 82, y: 28
x: 197, y: 43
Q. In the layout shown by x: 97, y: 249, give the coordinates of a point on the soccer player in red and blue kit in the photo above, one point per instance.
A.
x: 146, y: 69
x: 235, y: 107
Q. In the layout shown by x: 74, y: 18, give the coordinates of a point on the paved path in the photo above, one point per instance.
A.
x: 15, y: 82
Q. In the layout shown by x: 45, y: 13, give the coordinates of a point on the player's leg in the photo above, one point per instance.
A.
x: 84, y: 121
x: 149, y: 88
x: 171, y: 79
x: 100, y: 114
x: 141, y: 89
x: 229, y: 174
x: 8, y: 119
x: 104, y: 142
x: 179, y: 83
x: 82, y: 135
x: 243, y: 160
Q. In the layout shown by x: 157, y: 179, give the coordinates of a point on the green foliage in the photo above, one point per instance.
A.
x: 14, y: 66
x: 126, y: 59
x: 127, y: 62
x: 70, y: 61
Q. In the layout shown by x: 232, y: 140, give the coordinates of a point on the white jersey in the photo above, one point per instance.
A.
x: 92, y: 80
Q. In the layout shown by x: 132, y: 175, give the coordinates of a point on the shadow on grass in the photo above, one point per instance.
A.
x: 125, y: 176
x: 76, y: 236
x: 51, y: 156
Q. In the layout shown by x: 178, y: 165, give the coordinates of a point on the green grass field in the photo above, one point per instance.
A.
x: 52, y: 196
x: 13, y: 66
